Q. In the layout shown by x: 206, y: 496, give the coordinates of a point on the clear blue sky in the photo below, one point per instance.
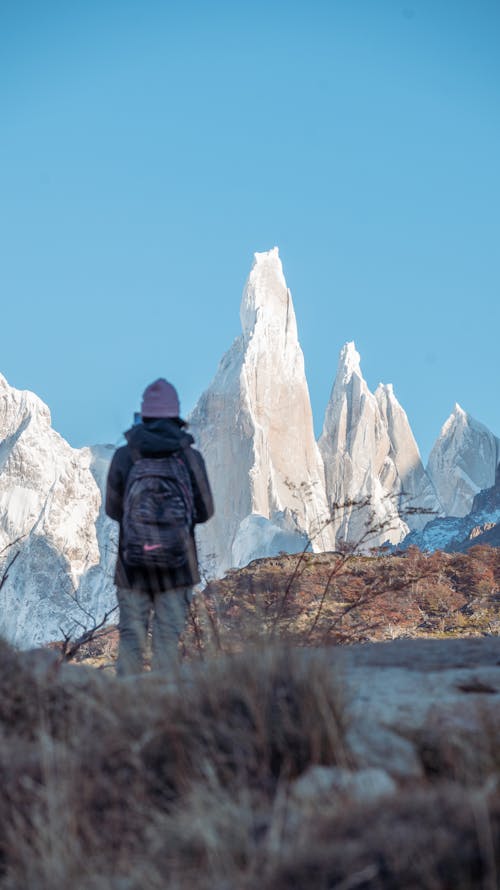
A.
x: 149, y: 148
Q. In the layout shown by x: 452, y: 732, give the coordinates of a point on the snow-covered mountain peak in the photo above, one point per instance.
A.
x: 394, y: 413
x: 385, y: 389
x: 388, y: 404
x: 458, y: 418
x: 370, y: 455
x: 254, y: 427
x: 349, y: 363
x: 463, y: 461
x: 19, y: 406
x: 266, y: 300
x: 460, y: 422
x: 266, y: 256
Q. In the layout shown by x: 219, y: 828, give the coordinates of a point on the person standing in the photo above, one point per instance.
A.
x: 157, y: 490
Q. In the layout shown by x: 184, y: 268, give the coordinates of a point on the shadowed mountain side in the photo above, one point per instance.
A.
x: 59, y: 607
x: 490, y: 537
x: 460, y: 533
x: 51, y: 513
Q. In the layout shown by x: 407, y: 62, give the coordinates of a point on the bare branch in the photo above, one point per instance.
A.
x: 9, y: 565
x: 70, y: 648
x: 12, y: 543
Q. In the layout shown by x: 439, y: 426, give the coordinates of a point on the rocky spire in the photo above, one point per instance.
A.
x: 371, y: 458
x: 463, y: 461
x: 254, y: 426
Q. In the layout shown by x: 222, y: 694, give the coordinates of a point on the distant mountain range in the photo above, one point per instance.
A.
x: 481, y: 525
x: 363, y: 483
x: 276, y: 489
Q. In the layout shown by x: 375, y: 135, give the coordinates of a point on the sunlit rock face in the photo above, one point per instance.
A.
x: 51, y: 524
x: 254, y: 426
x: 417, y: 498
x: 463, y: 462
x: 375, y: 482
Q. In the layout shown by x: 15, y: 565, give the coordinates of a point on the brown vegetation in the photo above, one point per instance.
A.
x: 324, y: 599
x: 318, y: 599
x: 104, y: 778
x: 190, y: 784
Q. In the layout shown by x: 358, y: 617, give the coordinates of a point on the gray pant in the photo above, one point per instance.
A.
x: 170, y: 611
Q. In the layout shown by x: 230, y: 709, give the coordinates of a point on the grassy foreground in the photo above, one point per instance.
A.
x: 193, y: 783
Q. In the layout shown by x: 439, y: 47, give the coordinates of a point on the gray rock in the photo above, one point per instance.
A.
x: 362, y: 786
x: 413, y: 705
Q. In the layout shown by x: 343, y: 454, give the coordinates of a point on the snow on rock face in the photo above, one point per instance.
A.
x: 408, y: 476
x: 463, y: 462
x: 454, y: 533
x: 254, y: 427
x: 258, y: 537
x: 371, y: 458
x: 50, y: 504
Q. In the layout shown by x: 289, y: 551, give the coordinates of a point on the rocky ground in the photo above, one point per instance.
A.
x: 372, y: 766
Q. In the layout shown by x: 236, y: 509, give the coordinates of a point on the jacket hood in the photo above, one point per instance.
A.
x: 156, y: 437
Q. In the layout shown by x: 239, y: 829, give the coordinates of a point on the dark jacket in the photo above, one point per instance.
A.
x: 157, y: 438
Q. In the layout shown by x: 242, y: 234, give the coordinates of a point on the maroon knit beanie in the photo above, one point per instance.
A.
x: 160, y: 400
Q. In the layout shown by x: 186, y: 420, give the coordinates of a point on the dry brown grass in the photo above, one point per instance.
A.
x: 103, y: 776
x: 440, y: 838
x: 144, y: 784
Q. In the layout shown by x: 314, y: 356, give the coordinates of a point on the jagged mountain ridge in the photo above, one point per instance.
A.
x: 52, y: 524
x: 463, y: 461
x: 481, y: 525
x: 370, y: 454
x: 254, y: 426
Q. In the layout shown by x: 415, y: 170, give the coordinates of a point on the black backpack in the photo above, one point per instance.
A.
x: 158, y: 509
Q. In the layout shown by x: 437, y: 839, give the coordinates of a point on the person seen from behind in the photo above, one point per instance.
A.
x: 158, y: 490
